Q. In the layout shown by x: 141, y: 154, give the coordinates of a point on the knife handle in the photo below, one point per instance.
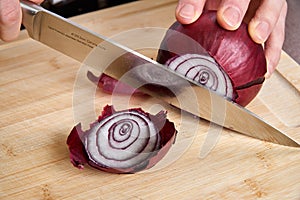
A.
x: 29, y: 16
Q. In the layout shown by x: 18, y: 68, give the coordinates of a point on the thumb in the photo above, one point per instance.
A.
x: 10, y: 19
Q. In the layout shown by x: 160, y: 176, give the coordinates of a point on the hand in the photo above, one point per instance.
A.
x: 265, y: 17
x: 10, y: 18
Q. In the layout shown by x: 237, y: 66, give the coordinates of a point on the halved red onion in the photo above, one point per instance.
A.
x: 204, y: 70
x: 235, y: 52
x: 125, y: 141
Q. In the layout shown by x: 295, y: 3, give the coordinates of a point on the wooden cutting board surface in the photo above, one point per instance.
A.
x: 37, y: 116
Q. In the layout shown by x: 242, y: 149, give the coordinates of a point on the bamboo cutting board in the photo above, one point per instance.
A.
x: 37, y: 116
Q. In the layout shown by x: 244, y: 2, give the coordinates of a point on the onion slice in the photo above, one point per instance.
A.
x: 125, y: 141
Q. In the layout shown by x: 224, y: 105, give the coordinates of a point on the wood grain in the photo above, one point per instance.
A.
x: 37, y: 116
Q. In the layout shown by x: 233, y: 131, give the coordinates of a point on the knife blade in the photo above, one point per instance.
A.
x: 79, y: 43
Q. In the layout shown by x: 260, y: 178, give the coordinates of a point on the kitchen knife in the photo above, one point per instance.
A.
x: 79, y: 43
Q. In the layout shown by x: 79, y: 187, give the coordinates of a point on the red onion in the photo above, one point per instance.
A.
x: 125, y: 141
x: 239, y: 64
x: 111, y: 85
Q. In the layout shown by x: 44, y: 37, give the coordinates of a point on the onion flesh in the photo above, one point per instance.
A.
x: 204, y: 71
x: 122, y: 141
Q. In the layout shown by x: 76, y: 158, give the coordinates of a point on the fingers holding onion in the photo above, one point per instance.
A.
x: 240, y: 59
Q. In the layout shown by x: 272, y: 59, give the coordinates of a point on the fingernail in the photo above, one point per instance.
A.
x: 232, y: 16
x: 262, y: 31
x: 187, y: 11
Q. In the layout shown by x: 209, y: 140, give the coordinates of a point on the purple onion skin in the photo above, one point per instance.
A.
x: 79, y: 156
x: 112, y: 86
x: 240, y: 57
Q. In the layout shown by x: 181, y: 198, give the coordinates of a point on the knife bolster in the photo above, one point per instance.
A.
x: 31, y: 18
